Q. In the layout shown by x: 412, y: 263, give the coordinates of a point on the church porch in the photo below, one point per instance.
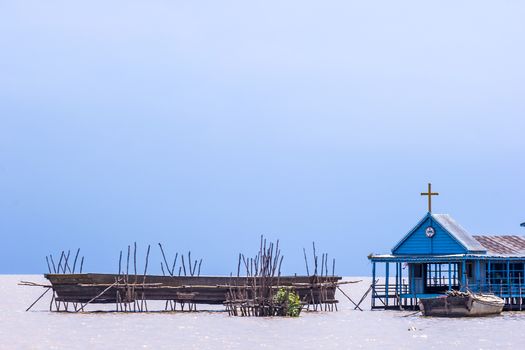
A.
x: 399, y: 282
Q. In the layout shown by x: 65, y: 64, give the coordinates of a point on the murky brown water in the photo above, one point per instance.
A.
x: 40, y: 329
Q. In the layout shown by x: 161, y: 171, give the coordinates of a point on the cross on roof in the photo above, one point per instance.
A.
x: 429, y: 194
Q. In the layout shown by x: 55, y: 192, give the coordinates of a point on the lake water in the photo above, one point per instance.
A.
x: 41, y: 329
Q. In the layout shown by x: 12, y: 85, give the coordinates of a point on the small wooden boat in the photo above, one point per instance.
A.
x: 462, y: 304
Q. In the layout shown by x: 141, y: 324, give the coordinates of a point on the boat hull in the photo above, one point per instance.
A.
x: 101, y: 288
x: 469, y: 305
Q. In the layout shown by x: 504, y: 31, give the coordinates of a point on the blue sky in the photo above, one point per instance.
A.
x: 205, y: 124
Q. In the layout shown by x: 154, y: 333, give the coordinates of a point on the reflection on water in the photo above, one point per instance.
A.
x: 345, y: 329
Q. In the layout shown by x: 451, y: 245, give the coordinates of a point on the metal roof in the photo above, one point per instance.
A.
x: 459, y: 232
x: 506, y: 244
x: 444, y: 258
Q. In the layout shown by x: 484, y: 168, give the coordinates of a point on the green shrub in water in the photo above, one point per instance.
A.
x: 291, y: 300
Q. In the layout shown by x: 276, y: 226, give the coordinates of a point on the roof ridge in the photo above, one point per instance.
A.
x: 459, y: 232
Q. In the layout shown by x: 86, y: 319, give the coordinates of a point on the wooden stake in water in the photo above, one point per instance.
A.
x: 53, y: 262
x: 306, y: 262
x: 40, y: 297
x: 120, y: 263
x: 48, y: 266
x: 75, y: 261
x: 66, y: 265
x: 165, y: 261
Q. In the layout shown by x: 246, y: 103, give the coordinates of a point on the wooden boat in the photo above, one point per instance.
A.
x: 104, y: 288
x: 462, y: 304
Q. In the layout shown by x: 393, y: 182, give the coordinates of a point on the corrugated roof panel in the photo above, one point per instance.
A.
x: 505, y: 244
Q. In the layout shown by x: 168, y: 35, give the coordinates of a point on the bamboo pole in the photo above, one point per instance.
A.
x: 60, y: 262
x: 120, y: 263
x: 98, y: 296
x: 53, y: 262
x: 174, y: 263
x: 40, y: 297
x: 66, y: 265
x: 127, y: 261
x: 190, y: 263
x: 146, y: 265
x: 306, y: 262
x: 315, y: 259
x: 322, y: 264
x: 52, y: 301
x: 75, y: 261
x: 48, y: 266
x: 194, y: 268
x: 135, y: 260
x: 356, y: 305
x: 165, y: 261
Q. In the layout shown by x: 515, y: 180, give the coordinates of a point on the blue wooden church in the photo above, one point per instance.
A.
x: 438, y: 255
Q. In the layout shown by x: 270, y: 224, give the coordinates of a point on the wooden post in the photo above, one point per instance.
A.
x: 40, y: 297
x: 48, y: 266
x: 53, y: 262
x: 66, y: 265
x: 387, y: 272
x: 373, y: 283
x: 509, y: 286
x: 135, y: 260
x: 184, y: 265
x: 449, y: 276
x: 456, y: 268
x: 400, y: 278
x: 52, y: 301
x: 59, y: 267
x: 397, y: 278
x: 119, y: 263
x: 519, y: 282
x: 174, y: 264
x: 489, y: 276
x: 412, y: 283
x: 306, y: 262
x: 400, y: 285
x: 75, y: 261
x: 478, y: 273
x: 463, y: 274
x: 165, y: 261
x: 322, y: 264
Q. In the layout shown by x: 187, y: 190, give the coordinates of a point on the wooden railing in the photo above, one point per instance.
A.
x: 503, y: 289
x: 500, y: 289
x: 381, y: 290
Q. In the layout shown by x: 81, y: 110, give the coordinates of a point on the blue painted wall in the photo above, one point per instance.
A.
x: 417, y: 243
